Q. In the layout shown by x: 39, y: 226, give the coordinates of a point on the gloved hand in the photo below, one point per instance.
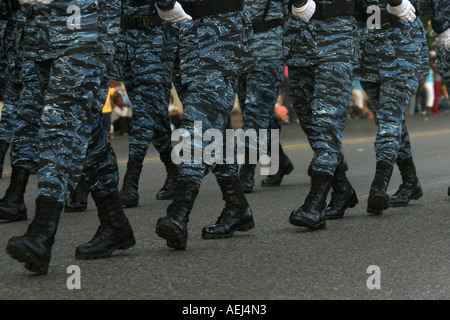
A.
x: 35, y: 2
x: 404, y: 11
x: 444, y: 39
x: 306, y: 12
x: 174, y: 15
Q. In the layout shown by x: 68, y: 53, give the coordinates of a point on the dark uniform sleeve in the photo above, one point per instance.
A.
x: 299, y: 3
x: 441, y: 15
x: 165, y: 4
x: 395, y: 3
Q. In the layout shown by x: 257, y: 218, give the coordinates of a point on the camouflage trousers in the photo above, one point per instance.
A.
x: 25, y: 141
x: 73, y: 141
x: 258, y: 94
x: 443, y: 64
x: 13, y: 88
x: 389, y: 99
x: 148, y: 83
x: 207, y: 99
x: 320, y: 96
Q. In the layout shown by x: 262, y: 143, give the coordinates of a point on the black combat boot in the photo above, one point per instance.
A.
x: 129, y: 192
x: 34, y: 248
x: 285, y: 168
x: 12, y: 206
x: 410, y: 189
x: 246, y: 175
x: 79, y: 198
x: 114, y: 232
x: 173, y: 226
x: 378, y: 197
x: 343, y: 195
x: 168, y: 188
x: 312, y: 214
x: 235, y: 216
x: 3, y: 149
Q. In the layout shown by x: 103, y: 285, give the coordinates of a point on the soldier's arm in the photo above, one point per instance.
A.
x: 440, y: 21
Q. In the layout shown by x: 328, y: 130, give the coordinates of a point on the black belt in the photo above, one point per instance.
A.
x: 130, y: 22
x: 206, y: 8
x: 339, y: 8
x: 262, y: 26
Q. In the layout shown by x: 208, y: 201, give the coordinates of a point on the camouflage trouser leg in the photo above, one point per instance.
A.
x: 388, y: 101
x: 25, y: 143
x: 148, y: 84
x: 9, y: 111
x: 320, y: 96
x: 208, y: 99
x: 443, y: 64
x: 258, y: 94
x: 72, y: 135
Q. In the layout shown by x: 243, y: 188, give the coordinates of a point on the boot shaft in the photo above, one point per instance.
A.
x: 134, y: 169
x: 110, y: 209
x: 18, y: 185
x: 183, y: 200
x: 232, y: 192
x: 383, y: 173
x: 46, y: 219
x: 407, y: 171
x: 320, y: 186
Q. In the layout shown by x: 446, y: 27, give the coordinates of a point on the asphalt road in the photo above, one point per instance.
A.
x: 276, y: 260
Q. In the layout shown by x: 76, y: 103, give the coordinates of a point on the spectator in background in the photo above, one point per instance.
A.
x: 429, y: 87
x: 437, y: 82
x: 121, y: 113
x: 107, y: 110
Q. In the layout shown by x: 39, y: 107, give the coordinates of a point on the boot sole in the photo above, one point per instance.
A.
x: 417, y: 196
x: 247, y: 189
x: 352, y: 204
x: 159, y: 197
x: 23, y: 254
x: 170, y: 232
x: 288, y: 171
x: 376, y: 203
x: 7, y: 216
x: 303, y: 222
x: 244, y: 228
x: 123, y: 246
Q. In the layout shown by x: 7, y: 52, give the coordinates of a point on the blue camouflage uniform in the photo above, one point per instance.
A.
x: 212, y: 50
x: 394, y: 58
x: 210, y: 59
x: 72, y: 105
x: 259, y: 89
x: 321, y: 56
x: 71, y: 44
x: 440, y: 22
x: 145, y: 63
x: 11, y: 20
x: 146, y: 73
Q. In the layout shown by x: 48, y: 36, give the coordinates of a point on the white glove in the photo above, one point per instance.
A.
x: 35, y: 2
x: 404, y: 11
x: 306, y: 12
x: 444, y: 39
x: 174, y: 15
